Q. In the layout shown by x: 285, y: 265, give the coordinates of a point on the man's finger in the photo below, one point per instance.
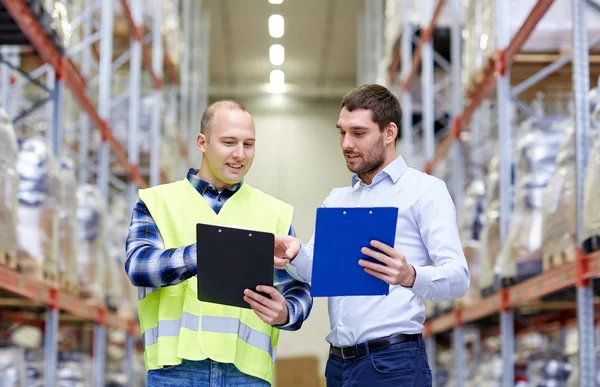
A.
x: 386, y: 260
x: 271, y: 291
x: 263, y: 317
x: 259, y: 308
x: 386, y: 249
x: 383, y: 277
x: 376, y: 267
x: 281, y: 262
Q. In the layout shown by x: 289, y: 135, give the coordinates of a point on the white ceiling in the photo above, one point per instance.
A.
x: 319, y: 40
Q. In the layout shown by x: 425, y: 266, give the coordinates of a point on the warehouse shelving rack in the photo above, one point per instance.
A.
x: 496, y: 74
x: 184, y: 85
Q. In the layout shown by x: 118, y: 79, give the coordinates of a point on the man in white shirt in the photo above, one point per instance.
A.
x: 377, y: 340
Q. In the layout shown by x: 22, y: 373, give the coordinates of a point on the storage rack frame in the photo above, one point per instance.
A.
x: 187, y: 93
x: 496, y: 74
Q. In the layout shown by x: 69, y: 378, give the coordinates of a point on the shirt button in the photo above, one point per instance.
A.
x: 340, y: 323
x: 368, y: 188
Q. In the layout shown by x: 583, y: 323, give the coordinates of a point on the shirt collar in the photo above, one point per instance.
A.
x: 393, y: 170
x: 202, y: 185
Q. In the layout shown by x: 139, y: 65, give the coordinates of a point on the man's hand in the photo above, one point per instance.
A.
x: 272, y: 311
x: 395, y: 270
x: 286, y: 249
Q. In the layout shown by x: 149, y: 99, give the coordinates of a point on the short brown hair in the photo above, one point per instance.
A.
x: 382, y: 103
x: 209, y: 114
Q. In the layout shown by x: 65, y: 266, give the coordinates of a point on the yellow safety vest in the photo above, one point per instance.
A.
x: 175, y: 325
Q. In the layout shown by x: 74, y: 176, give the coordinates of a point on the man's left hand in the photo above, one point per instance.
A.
x: 394, y: 271
x: 272, y: 311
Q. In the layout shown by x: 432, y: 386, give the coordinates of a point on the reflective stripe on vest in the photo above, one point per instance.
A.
x: 217, y: 324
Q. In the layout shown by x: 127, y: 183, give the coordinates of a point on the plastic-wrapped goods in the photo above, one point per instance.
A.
x: 67, y: 226
x: 549, y: 369
x: 538, y: 145
x: 490, y: 235
x: 591, y: 199
x: 470, y: 225
x: 37, y: 216
x: 120, y: 123
x: 489, y: 369
x: 559, y: 212
x: 74, y: 369
x: 170, y: 154
x: 13, y: 371
x: 91, y: 262
x: 119, y: 228
x: 8, y: 191
x: 478, y: 36
x: 118, y: 291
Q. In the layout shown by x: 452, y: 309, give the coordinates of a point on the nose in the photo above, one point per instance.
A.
x: 347, y: 143
x: 238, y: 152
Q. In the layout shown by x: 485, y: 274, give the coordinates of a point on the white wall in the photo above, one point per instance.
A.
x: 299, y: 160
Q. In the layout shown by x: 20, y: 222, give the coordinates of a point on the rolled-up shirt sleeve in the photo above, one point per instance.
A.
x: 449, y: 278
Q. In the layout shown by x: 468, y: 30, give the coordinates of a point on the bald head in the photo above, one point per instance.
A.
x: 208, y: 116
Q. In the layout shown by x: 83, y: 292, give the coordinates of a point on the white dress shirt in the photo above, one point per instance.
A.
x: 427, y: 233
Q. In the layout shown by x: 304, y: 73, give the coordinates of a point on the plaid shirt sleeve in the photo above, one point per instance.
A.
x: 148, y: 263
x: 297, y: 297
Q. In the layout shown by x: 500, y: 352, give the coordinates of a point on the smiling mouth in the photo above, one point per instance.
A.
x: 235, y: 166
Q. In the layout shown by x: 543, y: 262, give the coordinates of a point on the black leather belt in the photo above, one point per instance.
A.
x: 375, y: 345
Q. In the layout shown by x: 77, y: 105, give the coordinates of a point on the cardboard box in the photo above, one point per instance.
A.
x: 299, y: 371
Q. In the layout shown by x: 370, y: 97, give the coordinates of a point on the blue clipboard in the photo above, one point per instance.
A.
x: 340, y: 233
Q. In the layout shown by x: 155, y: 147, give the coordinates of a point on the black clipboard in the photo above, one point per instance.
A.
x: 231, y: 260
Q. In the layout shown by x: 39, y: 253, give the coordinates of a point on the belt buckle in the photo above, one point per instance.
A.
x: 347, y: 355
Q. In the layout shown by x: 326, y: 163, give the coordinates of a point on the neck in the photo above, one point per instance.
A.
x: 208, y: 177
x: 390, y: 155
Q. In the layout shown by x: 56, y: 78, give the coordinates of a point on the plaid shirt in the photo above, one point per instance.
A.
x: 150, y: 265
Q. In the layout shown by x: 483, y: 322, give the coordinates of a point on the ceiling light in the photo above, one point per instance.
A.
x: 275, y: 1
x: 276, y: 26
x: 277, y: 81
x: 276, y: 54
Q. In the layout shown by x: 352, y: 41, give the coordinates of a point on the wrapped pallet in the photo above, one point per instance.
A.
x: 115, y: 255
x: 538, y: 143
x: 67, y: 224
x: 559, y: 213
x: 37, y: 216
x: 471, y: 222
x: 591, y: 198
x: 8, y: 191
x: 119, y: 228
x: 490, y: 234
x: 91, y: 218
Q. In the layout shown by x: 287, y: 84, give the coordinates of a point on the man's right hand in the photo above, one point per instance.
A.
x: 286, y: 249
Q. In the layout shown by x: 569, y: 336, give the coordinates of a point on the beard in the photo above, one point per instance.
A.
x: 371, y: 160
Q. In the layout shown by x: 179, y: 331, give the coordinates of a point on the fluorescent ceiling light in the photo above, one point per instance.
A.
x: 275, y: 1
x: 276, y: 26
x: 277, y: 81
x: 276, y: 54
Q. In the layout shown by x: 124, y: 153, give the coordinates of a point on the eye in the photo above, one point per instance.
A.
x: 229, y: 143
x: 248, y: 145
x: 342, y: 133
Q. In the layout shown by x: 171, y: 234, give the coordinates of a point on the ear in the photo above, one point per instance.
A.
x: 201, y: 142
x: 390, y: 132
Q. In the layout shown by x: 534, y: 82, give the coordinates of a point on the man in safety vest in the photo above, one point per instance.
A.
x: 185, y: 339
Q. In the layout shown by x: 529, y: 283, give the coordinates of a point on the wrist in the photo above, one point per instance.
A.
x: 410, y: 281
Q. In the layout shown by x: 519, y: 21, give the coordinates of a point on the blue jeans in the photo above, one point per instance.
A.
x: 400, y: 365
x: 205, y: 373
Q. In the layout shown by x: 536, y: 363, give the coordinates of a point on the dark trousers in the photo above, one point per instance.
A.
x: 403, y: 364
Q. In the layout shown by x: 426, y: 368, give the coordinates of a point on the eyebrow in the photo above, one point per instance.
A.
x: 352, y: 127
x: 235, y: 138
